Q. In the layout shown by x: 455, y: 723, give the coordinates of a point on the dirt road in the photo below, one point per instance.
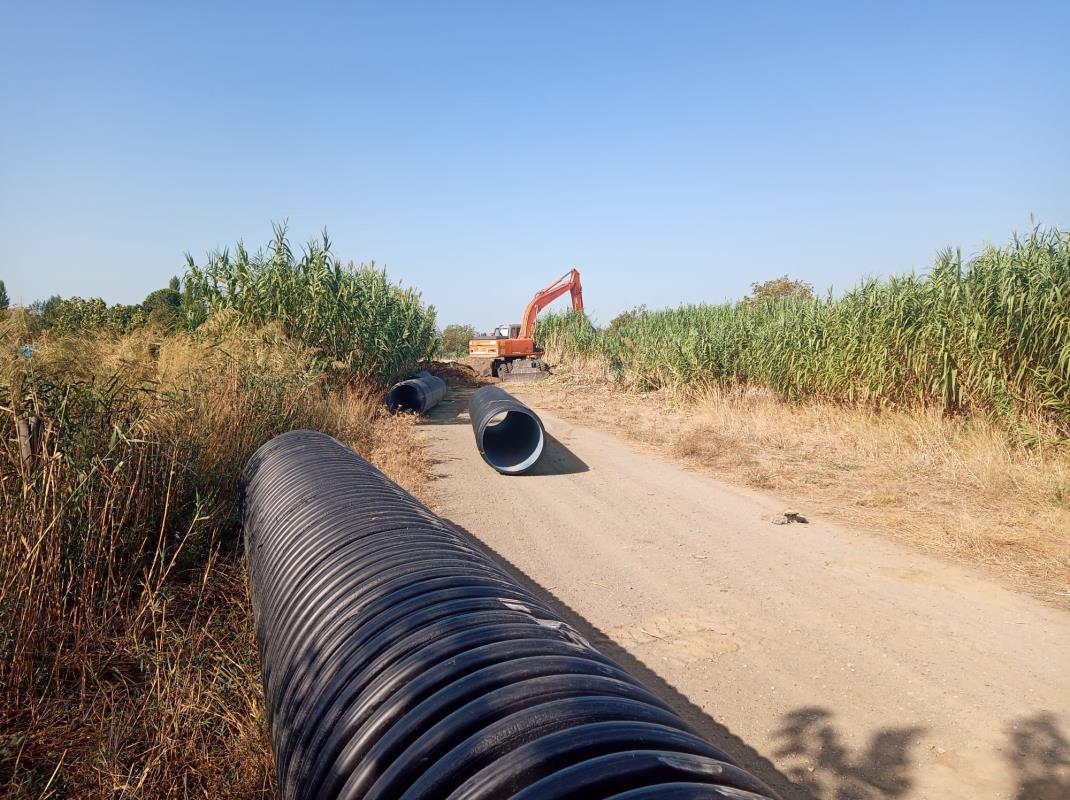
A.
x: 832, y: 663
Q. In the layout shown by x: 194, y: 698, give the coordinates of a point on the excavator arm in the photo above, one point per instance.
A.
x: 570, y: 282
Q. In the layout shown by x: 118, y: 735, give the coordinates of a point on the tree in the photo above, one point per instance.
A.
x: 162, y: 298
x: 624, y: 317
x: 5, y: 301
x: 453, y: 341
x: 779, y: 289
x: 46, y: 311
x: 77, y: 314
x: 162, y: 306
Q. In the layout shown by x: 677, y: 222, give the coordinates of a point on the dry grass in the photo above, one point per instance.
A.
x: 959, y: 488
x: 393, y: 443
x: 129, y: 667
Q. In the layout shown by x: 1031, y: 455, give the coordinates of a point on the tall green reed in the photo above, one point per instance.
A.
x: 988, y: 336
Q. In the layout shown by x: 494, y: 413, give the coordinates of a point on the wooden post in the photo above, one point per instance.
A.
x: 29, y: 432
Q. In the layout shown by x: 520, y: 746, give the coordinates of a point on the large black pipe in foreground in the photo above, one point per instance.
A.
x: 420, y: 393
x: 400, y: 661
x: 509, y: 435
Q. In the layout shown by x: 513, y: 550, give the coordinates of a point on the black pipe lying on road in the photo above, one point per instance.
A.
x: 400, y: 661
x: 509, y: 435
x: 420, y: 393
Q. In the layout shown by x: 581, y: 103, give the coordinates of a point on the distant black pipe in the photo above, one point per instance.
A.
x: 401, y: 661
x: 509, y: 435
x: 420, y: 393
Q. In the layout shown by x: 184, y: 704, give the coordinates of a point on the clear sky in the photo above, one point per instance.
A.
x: 672, y: 151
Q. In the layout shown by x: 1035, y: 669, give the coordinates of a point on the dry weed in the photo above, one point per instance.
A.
x: 129, y: 667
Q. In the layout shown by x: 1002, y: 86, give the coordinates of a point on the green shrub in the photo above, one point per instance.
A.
x: 454, y: 339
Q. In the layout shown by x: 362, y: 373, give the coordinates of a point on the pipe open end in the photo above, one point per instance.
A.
x: 513, y: 441
x: 403, y: 397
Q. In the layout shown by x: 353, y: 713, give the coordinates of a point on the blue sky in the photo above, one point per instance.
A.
x: 673, y: 152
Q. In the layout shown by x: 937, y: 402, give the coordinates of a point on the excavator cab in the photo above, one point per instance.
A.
x: 507, y: 332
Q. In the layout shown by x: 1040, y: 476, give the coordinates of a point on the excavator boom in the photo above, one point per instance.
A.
x: 569, y: 282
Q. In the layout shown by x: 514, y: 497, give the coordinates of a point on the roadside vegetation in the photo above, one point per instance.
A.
x: 989, y: 336
x: 128, y: 666
x: 352, y: 317
x: 931, y: 408
x: 453, y: 341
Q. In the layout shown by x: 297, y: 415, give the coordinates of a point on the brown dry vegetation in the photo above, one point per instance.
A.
x: 129, y: 663
x: 963, y: 488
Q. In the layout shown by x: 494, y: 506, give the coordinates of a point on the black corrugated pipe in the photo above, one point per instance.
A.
x: 509, y: 435
x: 401, y: 661
x: 420, y: 393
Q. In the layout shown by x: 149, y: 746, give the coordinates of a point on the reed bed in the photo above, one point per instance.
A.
x: 352, y: 316
x: 988, y: 336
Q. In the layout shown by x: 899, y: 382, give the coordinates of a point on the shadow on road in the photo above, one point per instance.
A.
x: 824, y: 766
x: 718, y: 734
x: 556, y: 460
x: 1040, y: 757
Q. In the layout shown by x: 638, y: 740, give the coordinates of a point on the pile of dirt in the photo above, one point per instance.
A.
x: 457, y: 373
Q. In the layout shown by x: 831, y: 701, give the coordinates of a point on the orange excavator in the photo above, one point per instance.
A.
x: 511, y: 353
